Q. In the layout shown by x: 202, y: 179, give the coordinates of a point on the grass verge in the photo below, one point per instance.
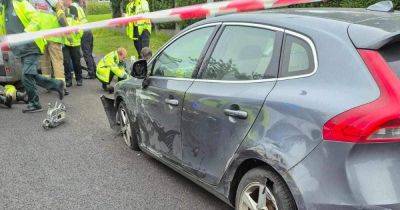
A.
x: 107, y: 40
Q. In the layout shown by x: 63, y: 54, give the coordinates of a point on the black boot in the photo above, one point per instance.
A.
x: 69, y: 83
x: 32, y: 109
x: 6, y: 100
x: 88, y: 77
x: 79, y: 82
x: 104, y: 86
x: 22, y: 96
x: 60, y: 90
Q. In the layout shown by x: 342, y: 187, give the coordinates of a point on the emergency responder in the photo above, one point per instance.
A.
x: 140, y: 30
x: 113, y: 64
x: 11, y: 91
x: 86, y: 43
x: 52, y: 17
x: 5, y: 99
x: 72, y: 48
x: 146, y: 53
x: 20, y: 16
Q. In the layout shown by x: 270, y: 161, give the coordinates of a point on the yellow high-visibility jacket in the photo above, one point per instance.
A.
x: 136, y: 7
x: 81, y: 13
x: 29, y: 18
x: 74, y: 39
x: 50, y: 21
x: 110, y: 63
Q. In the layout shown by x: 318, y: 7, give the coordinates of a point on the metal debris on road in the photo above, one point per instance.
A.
x: 55, y: 115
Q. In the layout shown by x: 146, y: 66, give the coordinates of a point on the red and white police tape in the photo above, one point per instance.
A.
x: 170, y: 15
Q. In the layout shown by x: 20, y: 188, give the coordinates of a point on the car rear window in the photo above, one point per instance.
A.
x: 391, y: 53
x: 298, y: 58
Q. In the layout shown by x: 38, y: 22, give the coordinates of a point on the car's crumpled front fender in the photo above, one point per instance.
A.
x: 111, y: 111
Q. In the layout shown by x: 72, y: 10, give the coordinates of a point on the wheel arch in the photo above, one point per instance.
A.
x: 118, y: 100
x: 244, y: 163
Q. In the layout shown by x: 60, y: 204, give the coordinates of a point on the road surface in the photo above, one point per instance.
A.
x: 84, y: 164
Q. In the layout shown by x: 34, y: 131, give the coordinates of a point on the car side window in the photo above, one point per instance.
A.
x: 180, y: 58
x: 242, y: 53
x: 298, y: 57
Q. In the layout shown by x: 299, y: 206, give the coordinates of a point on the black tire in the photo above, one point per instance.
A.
x: 274, y: 183
x: 130, y: 140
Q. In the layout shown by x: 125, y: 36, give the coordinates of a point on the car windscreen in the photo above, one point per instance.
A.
x: 391, y: 53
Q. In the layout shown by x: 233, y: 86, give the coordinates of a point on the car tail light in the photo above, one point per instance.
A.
x: 378, y: 121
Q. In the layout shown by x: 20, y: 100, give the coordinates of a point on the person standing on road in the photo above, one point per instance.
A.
x: 72, y: 48
x: 86, y: 43
x: 20, y: 16
x: 51, y: 17
x: 113, y: 64
x: 140, y: 30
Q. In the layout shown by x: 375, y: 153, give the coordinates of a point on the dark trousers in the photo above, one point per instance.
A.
x: 142, y: 42
x: 72, y: 54
x: 31, y: 78
x: 87, y: 49
x: 104, y: 85
x: 2, y: 99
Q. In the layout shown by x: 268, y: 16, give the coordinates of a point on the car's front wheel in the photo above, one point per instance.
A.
x: 127, y: 129
x: 262, y: 188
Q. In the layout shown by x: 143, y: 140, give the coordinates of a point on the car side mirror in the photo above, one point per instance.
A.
x: 139, y: 69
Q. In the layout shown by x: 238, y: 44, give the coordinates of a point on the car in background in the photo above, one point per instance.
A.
x: 10, y: 68
x: 281, y: 109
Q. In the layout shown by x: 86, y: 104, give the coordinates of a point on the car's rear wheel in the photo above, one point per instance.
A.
x: 263, y: 189
x: 128, y: 131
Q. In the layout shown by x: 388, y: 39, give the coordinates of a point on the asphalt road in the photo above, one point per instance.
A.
x: 84, y: 164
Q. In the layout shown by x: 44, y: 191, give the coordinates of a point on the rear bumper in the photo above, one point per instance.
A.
x: 349, y: 176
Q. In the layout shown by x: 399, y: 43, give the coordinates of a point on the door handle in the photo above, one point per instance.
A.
x: 172, y: 102
x: 236, y: 113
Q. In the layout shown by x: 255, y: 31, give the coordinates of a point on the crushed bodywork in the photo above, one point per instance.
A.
x: 111, y: 111
x: 55, y: 115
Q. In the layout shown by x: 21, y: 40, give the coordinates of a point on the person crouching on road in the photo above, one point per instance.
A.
x: 146, y: 53
x: 20, y: 16
x: 72, y: 48
x: 113, y: 64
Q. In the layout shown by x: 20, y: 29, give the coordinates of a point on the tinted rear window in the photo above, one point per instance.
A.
x: 391, y: 54
x: 297, y: 57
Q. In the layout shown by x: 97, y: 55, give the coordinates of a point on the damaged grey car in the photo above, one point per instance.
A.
x: 282, y: 109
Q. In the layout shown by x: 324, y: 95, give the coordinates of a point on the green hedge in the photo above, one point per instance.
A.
x: 156, y: 5
x: 166, y: 4
x: 98, y: 8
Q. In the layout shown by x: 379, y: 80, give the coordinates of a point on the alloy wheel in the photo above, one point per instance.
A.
x: 126, y: 127
x: 257, y: 196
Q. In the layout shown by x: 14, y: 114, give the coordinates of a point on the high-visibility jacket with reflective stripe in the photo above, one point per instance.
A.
x: 110, y: 63
x: 29, y: 18
x: 136, y: 7
x: 81, y: 13
x: 50, y: 21
x: 74, y: 39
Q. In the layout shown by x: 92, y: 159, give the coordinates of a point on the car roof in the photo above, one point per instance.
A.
x: 379, y: 25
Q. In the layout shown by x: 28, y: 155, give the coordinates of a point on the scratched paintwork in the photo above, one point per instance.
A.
x: 284, y: 125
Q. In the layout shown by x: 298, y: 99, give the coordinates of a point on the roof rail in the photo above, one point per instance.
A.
x: 382, y: 6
